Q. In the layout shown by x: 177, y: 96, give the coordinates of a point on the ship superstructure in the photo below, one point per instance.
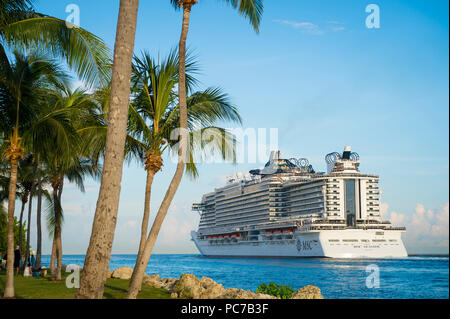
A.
x: 287, y: 209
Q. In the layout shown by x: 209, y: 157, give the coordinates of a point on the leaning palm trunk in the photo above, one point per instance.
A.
x: 9, y: 285
x: 38, y: 225
x: 142, y: 262
x: 153, y: 164
x: 98, y: 254
x: 144, y: 226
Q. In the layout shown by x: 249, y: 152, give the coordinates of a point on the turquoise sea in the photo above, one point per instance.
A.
x: 406, y: 278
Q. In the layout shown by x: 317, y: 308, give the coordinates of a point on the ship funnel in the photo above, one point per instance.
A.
x: 348, y: 149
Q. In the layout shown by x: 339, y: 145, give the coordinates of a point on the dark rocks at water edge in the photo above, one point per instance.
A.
x: 188, y: 286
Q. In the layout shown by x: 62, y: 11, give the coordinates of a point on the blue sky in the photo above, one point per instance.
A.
x: 324, y: 80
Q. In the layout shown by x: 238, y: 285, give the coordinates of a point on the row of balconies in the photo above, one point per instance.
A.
x: 243, y: 208
x: 242, y: 202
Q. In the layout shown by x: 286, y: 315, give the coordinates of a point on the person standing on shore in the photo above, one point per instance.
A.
x: 17, y: 260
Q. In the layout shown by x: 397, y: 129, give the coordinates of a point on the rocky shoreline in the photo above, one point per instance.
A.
x: 188, y: 286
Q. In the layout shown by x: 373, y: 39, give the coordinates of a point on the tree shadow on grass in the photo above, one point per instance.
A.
x: 109, y: 295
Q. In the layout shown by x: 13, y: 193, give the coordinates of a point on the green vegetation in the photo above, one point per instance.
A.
x: 4, y: 231
x: 45, y: 288
x: 281, y: 291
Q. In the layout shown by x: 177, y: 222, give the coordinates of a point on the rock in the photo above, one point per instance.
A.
x: 109, y: 274
x: 122, y: 273
x: 211, y: 289
x: 233, y: 293
x: 308, y: 292
x: 169, y: 283
x: 188, y: 287
x: 152, y: 281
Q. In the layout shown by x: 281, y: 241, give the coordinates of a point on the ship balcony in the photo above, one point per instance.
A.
x: 198, y: 207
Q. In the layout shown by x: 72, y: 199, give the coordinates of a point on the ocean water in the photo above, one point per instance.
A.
x: 406, y: 278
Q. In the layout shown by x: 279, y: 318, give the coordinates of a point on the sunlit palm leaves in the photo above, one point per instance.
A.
x: 22, y: 28
x: 250, y: 9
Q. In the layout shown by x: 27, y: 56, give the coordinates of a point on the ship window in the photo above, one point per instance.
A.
x: 333, y: 240
x: 350, y: 240
x: 378, y: 240
x: 350, y: 202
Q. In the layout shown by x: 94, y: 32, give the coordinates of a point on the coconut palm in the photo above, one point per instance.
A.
x: 22, y: 27
x: 22, y: 85
x: 55, y: 138
x: 98, y: 254
x: 252, y: 10
x: 155, y: 110
x: 24, y: 189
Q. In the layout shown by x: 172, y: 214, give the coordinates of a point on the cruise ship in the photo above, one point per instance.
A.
x: 287, y: 209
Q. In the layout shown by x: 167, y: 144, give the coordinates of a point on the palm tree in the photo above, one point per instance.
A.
x: 22, y: 85
x: 22, y: 27
x: 251, y: 9
x: 156, y: 100
x: 55, y: 137
x: 24, y: 189
x: 98, y: 254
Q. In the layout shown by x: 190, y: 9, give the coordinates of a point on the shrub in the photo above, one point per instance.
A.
x: 280, y: 291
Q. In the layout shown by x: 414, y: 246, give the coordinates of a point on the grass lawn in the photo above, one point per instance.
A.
x: 45, y: 288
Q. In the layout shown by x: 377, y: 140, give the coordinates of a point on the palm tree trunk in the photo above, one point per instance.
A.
x: 30, y: 206
x: 58, y: 246
x: 24, y: 201
x: 9, y: 285
x: 27, y: 245
x: 98, y: 254
x: 38, y: 225
x: 53, y: 257
x: 58, y: 229
x: 144, y: 226
x: 141, y: 264
x: 55, y: 230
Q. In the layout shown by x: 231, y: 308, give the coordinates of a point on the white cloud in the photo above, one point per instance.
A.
x: 304, y: 26
x: 337, y: 29
x: 427, y: 230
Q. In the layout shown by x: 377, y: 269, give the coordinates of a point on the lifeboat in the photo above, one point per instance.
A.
x: 277, y: 231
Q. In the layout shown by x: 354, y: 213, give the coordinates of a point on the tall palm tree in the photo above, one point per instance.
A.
x: 58, y: 123
x: 98, y: 254
x: 155, y: 110
x: 24, y: 190
x: 22, y: 85
x: 252, y: 10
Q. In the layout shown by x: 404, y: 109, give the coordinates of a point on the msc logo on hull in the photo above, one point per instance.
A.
x: 304, y: 245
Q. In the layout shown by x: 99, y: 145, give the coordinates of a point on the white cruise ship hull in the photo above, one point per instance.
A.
x: 349, y: 243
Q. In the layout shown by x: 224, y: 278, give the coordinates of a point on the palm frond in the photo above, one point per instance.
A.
x: 84, y: 52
